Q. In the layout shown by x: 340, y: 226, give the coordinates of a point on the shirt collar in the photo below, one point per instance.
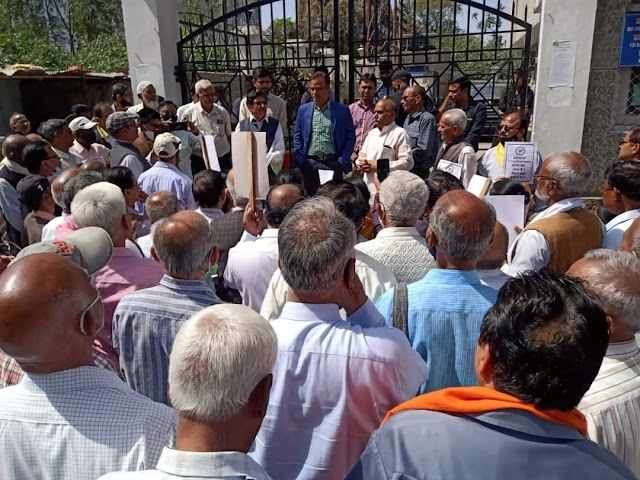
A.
x: 161, y: 164
x: 326, y: 107
x: 44, y: 215
x: 74, y: 379
x: 252, y: 119
x: 210, y: 465
x: 269, y: 233
x: 398, y: 232
x: 417, y: 114
x: 78, y: 146
x: 210, y: 213
x: 559, y: 207
x: 623, y: 350
x: 624, y: 217
x: 311, y: 312
x: 60, y: 153
x: 182, y: 285
x: 15, y: 168
x: 444, y: 276
x: 370, y: 107
x: 387, y: 128
x: 496, y: 272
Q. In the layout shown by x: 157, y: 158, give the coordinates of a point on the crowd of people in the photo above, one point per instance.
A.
x: 369, y: 319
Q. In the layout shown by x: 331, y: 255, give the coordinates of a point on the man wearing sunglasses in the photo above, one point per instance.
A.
x: 629, y: 150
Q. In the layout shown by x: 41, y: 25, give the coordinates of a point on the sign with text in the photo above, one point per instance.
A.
x: 454, y: 169
x: 630, y: 41
x: 519, y: 158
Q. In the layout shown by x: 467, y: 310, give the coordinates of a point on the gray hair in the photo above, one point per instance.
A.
x: 203, y: 84
x: 457, y: 117
x: 100, y: 205
x: 49, y: 128
x: 219, y: 356
x: 315, y: 242
x: 616, y: 281
x: 160, y: 205
x: 635, y: 241
x: 183, y: 254
x: 404, y: 197
x: 572, y: 172
x: 237, y: 201
x: 76, y: 184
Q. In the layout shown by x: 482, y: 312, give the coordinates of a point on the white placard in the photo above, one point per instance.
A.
x: 325, y: 176
x: 240, y: 147
x: 454, y: 169
x: 210, y: 154
x: 519, y: 158
x: 479, y: 185
x: 509, y: 212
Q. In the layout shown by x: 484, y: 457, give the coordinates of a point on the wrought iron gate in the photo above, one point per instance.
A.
x: 436, y: 40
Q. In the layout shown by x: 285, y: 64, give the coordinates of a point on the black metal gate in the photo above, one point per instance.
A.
x: 436, y: 40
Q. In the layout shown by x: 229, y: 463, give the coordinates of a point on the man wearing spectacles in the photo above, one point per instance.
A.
x: 421, y: 127
x: 629, y: 150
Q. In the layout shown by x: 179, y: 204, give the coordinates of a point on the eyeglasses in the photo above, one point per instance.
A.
x: 379, y: 112
x: 84, y: 312
x: 405, y: 98
x: 507, y: 128
x: 540, y: 177
x: 624, y: 141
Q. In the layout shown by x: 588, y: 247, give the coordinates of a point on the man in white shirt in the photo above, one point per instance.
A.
x: 59, y: 136
x: 455, y: 148
x: 146, y: 92
x: 621, y: 196
x: 488, y: 266
x: 333, y: 380
x: 157, y: 206
x: 386, y: 140
x: 84, y: 145
x: 403, y: 199
x: 251, y: 264
x: 566, y: 230
x: 612, y: 404
x: 194, y: 99
x: 276, y: 106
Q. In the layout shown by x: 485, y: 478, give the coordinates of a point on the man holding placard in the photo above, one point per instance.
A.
x: 455, y: 152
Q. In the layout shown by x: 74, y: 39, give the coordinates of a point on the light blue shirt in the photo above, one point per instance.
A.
x: 166, y: 177
x: 617, y: 227
x: 145, y: 325
x: 333, y: 382
x: 446, y: 309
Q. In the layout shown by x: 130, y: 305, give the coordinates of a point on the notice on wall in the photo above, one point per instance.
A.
x: 563, y: 64
x: 519, y: 158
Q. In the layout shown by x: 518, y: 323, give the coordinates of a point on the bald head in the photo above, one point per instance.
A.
x: 280, y: 200
x: 42, y: 298
x: 161, y: 204
x: 384, y: 112
x: 13, y: 146
x: 496, y: 253
x: 462, y: 225
x: 631, y: 238
x: 94, y: 165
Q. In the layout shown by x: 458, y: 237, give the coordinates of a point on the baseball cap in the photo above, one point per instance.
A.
x: 141, y: 86
x: 31, y: 188
x: 90, y: 247
x: 117, y: 120
x: 166, y: 145
x: 81, y: 123
x: 401, y: 75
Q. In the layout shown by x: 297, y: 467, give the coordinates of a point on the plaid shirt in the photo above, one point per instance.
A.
x: 321, y: 142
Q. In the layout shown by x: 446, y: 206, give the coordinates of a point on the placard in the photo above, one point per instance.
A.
x: 454, y: 169
x: 249, y: 157
x: 325, y: 176
x: 509, y: 212
x: 210, y: 154
x: 519, y: 158
x: 479, y: 185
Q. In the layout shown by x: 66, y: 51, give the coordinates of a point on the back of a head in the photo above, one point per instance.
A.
x: 290, y: 175
x: 219, y: 357
x: 148, y: 114
x: 347, y: 198
x: 14, y: 145
x: 315, y: 243
x: 183, y: 243
x: 57, y: 187
x: 161, y: 204
x: 463, y: 225
x: 80, y: 109
x: 631, y: 238
x: 122, y: 177
x: 509, y: 187
x: 50, y: 127
x: 99, y: 205
x: 404, y: 197
x: 547, y: 336
x: 571, y: 171
x: 74, y: 185
x: 439, y: 183
x: 496, y: 253
x: 33, y: 155
x: 118, y: 89
x: 208, y: 187
x: 624, y: 177
x: 280, y: 200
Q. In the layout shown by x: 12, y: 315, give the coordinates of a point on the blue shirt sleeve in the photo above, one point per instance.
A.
x: 385, y: 306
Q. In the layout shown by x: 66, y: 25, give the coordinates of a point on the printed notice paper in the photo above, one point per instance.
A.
x: 454, y: 169
x: 509, y: 212
x: 519, y: 158
x: 210, y: 154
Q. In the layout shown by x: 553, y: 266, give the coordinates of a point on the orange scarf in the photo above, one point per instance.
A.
x: 481, y: 400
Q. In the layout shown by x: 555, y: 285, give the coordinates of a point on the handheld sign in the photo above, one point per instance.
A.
x: 519, y: 158
x: 209, y: 153
x: 325, y: 176
x: 454, y: 169
x: 249, y: 157
x: 479, y: 186
x: 509, y: 212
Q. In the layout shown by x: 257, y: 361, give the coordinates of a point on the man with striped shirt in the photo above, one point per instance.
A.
x: 612, y: 404
x: 145, y: 322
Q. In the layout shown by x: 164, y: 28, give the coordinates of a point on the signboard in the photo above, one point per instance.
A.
x: 519, y: 158
x: 454, y: 169
x: 630, y: 41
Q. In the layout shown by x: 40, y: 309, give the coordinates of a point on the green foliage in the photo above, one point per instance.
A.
x: 106, y: 53
x: 21, y: 46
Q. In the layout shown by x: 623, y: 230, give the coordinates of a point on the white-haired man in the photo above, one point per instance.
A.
x: 157, y: 206
x: 566, y: 230
x: 455, y: 148
x: 399, y: 246
x: 146, y: 92
x: 612, y: 404
x: 333, y: 380
x: 145, y: 322
x: 231, y: 351
x: 211, y: 119
x: 103, y: 205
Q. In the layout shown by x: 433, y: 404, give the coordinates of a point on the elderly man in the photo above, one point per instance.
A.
x: 146, y: 92
x: 57, y: 188
x: 399, y: 246
x: 84, y: 145
x: 211, y: 119
x: 327, y: 366
x: 165, y: 175
x: 612, y: 403
x: 455, y: 148
x: 124, y: 128
x: 539, y: 349
x: 11, y: 173
x: 631, y: 238
x: 459, y: 96
x: 362, y: 110
x: 157, y: 206
x: 276, y: 107
x: 489, y: 264
x: 251, y: 265
x: 40, y: 159
x: 629, y: 150
x: 324, y: 136
x: 231, y: 350
x: 121, y: 96
x: 59, y: 136
x: 375, y: 277
x: 386, y: 141
x: 444, y: 310
x: 566, y: 230
x: 210, y: 194
x: 145, y: 322
x: 19, y: 124
x: 421, y: 127
x: 103, y: 205
x: 67, y: 418
x: 622, y: 197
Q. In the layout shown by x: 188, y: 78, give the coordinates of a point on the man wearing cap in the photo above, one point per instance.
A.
x: 124, y: 128
x: 67, y: 418
x: 146, y: 92
x: 400, y: 81
x: 84, y: 145
x: 385, y: 87
x: 35, y: 195
x: 165, y: 175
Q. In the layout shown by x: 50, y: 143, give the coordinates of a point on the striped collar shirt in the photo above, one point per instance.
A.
x: 79, y: 424
x: 612, y: 404
x: 145, y: 325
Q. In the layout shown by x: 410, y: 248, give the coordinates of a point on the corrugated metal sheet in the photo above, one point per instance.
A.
x: 29, y: 71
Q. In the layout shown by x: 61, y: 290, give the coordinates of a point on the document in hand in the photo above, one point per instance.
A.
x: 209, y: 153
x: 479, y: 186
x: 249, y: 153
x: 509, y: 212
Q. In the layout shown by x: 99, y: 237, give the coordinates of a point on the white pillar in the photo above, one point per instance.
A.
x: 558, y: 118
x: 152, y: 32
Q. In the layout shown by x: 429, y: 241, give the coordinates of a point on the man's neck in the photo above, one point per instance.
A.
x: 312, y: 299
x: 445, y: 263
x: 366, y: 103
x: 321, y: 106
x: 189, y: 276
x: 194, y: 436
x: 258, y: 120
x: 61, y: 149
x: 207, y: 109
x: 630, y: 205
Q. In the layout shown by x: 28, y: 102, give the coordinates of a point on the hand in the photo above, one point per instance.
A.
x: 517, y: 229
x: 446, y: 102
x: 253, y: 221
x: 373, y: 165
x: 363, y: 166
x: 355, y: 298
x: 142, y: 196
x: 192, y: 128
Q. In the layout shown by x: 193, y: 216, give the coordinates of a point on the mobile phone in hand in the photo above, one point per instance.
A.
x: 383, y: 168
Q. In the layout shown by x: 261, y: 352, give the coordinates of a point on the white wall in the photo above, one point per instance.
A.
x: 152, y: 33
x: 559, y: 112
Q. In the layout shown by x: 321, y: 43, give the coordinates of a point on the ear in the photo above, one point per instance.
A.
x: 483, y: 365
x: 259, y: 397
x: 214, y: 256
x: 154, y: 254
x: 350, y: 274
x: 380, y: 210
x: 612, y: 326
x: 635, y: 148
x: 127, y: 224
x: 432, y: 241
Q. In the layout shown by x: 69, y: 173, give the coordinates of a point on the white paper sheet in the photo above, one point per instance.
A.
x: 240, y: 142
x: 454, y: 169
x: 563, y: 64
x: 479, y: 185
x: 210, y: 154
x: 519, y: 158
x: 325, y: 176
x: 509, y: 212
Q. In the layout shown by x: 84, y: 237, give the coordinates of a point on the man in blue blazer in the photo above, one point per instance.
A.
x: 324, y: 136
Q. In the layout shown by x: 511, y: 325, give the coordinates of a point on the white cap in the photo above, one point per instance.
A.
x: 141, y: 86
x: 166, y: 145
x: 81, y: 123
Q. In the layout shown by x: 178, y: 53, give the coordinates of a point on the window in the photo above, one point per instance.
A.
x: 633, y: 98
